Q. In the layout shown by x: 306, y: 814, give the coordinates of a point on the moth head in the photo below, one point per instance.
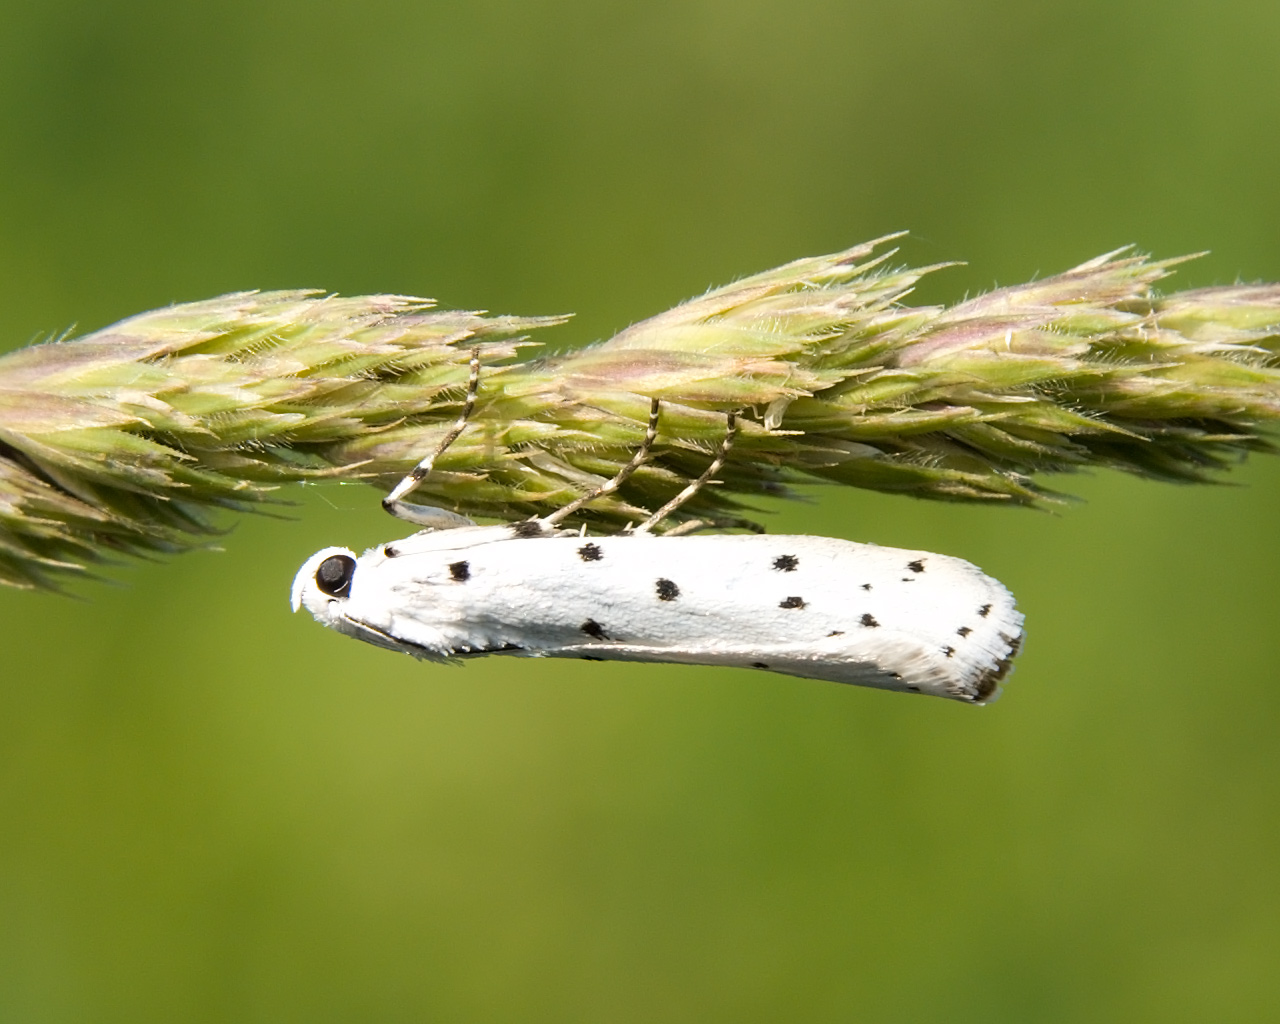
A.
x: 325, y: 578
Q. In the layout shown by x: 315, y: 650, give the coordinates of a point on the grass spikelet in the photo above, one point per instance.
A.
x: 124, y: 441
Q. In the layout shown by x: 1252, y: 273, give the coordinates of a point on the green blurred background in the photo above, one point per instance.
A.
x: 211, y: 810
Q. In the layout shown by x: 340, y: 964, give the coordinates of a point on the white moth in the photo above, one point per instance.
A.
x: 804, y: 606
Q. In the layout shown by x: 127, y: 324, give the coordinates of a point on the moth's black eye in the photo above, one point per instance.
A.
x: 334, y: 575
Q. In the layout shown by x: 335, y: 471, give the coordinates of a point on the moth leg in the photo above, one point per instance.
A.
x: 721, y: 454
x: 689, y: 526
x: 429, y: 515
x: 637, y: 460
x: 735, y: 523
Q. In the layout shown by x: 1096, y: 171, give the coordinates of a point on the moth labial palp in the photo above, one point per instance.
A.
x: 814, y: 607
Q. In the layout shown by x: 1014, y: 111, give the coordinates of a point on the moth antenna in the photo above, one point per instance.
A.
x: 637, y: 460
x: 726, y: 446
x: 427, y: 515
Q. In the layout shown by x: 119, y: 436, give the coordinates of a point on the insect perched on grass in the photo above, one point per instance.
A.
x: 803, y: 606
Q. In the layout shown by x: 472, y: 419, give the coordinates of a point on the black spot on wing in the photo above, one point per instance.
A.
x: 389, y: 551
x: 594, y: 630
x: 963, y: 631
x: 984, y: 611
x: 758, y: 664
x: 527, y: 528
x: 948, y: 651
x: 591, y: 657
x: 866, y: 586
x: 869, y: 620
x: 460, y: 572
x: 792, y: 602
x: 836, y: 632
x: 590, y: 553
x: 786, y: 563
x: 917, y: 565
x: 667, y: 591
